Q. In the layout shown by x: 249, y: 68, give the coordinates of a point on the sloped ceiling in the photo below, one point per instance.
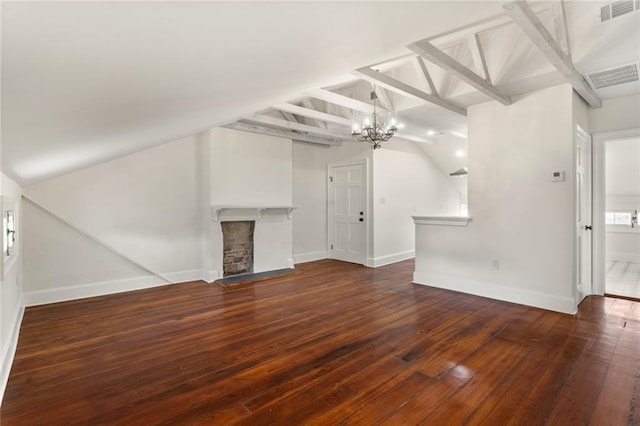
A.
x: 87, y: 82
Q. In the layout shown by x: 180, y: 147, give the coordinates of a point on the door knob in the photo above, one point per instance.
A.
x: 361, y: 220
x: 587, y: 228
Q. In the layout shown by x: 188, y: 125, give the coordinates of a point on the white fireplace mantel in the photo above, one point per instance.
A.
x: 245, y: 210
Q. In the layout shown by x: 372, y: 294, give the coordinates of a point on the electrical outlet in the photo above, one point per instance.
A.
x: 495, y: 264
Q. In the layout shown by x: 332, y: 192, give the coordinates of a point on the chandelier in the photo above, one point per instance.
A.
x: 373, y: 131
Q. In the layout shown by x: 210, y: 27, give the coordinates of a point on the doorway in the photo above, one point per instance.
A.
x: 347, y: 211
x: 616, y: 232
x: 583, y: 215
x: 622, y: 202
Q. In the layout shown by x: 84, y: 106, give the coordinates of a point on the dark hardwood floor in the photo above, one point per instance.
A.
x: 332, y: 343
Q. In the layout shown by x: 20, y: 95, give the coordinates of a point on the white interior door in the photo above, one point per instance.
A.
x: 347, y: 213
x: 583, y: 215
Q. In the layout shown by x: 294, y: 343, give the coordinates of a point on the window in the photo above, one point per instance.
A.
x: 9, y: 227
x: 10, y: 237
x: 623, y: 218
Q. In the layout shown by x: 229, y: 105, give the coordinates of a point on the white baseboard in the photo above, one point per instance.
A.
x: 101, y: 288
x: 9, y: 349
x: 82, y: 291
x: 565, y: 305
x: 210, y: 276
x: 309, y: 257
x: 391, y: 258
x: 185, y: 276
x: 623, y: 257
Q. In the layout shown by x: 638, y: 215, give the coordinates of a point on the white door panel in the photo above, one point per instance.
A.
x: 347, y: 222
x: 583, y: 216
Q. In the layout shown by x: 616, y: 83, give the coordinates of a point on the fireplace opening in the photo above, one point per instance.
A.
x: 237, y: 247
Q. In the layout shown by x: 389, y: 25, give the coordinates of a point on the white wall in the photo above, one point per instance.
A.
x: 616, y: 114
x: 248, y: 169
x: 407, y: 181
x: 519, y: 217
x: 310, y: 194
x: 146, y: 206
x: 400, y: 173
x: 11, y: 301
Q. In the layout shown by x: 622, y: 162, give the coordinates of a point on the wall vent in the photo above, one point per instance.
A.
x: 613, y: 76
x: 618, y: 8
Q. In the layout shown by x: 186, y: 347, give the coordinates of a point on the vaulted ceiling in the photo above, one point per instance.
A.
x: 85, y: 82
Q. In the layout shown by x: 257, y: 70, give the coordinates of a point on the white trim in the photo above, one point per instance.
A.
x: 240, y: 212
x: 310, y: 256
x: 623, y: 257
x: 581, y: 292
x: 392, y: 258
x: 82, y: 291
x: 185, y: 276
x: 499, y: 292
x: 621, y: 229
x: 368, y: 212
x: 599, y: 202
x: 210, y: 276
x: 442, y: 220
x: 9, y: 351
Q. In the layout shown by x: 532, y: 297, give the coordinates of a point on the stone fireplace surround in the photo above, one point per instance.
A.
x: 237, y: 247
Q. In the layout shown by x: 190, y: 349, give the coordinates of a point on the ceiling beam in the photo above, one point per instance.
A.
x: 312, y: 113
x: 404, y: 89
x: 478, y: 55
x: 447, y: 63
x: 427, y: 76
x: 540, y: 37
x: 384, y: 98
x: 334, y: 98
x: 289, y: 117
x: 307, y: 104
x: 246, y: 127
x: 560, y: 26
x: 276, y: 122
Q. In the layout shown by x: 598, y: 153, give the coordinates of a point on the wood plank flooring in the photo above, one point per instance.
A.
x: 332, y: 343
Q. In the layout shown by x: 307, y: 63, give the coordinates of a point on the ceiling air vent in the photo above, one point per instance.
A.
x: 613, y: 76
x: 618, y: 8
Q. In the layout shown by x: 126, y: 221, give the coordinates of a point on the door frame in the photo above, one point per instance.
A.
x: 366, y: 208
x: 580, y: 133
x: 599, y: 202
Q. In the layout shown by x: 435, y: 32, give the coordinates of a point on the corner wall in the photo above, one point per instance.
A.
x: 310, y: 194
x: 248, y: 169
x: 145, y: 207
x: 520, y: 218
x: 405, y: 181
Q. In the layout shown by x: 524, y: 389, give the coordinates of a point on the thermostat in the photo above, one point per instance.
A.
x: 557, y: 177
